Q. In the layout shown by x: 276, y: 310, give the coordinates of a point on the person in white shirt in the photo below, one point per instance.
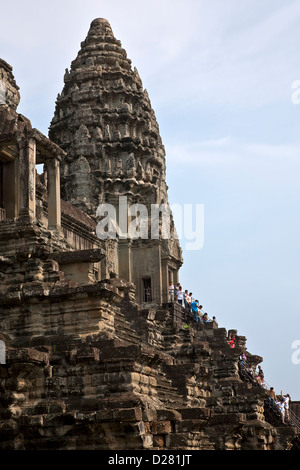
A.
x: 280, y: 405
x: 171, y: 292
x: 180, y: 295
x: 188, y: 301
x: 200, y: 312
x: 286, y: 403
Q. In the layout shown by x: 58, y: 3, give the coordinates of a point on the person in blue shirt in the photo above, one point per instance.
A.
x: 194, y: 307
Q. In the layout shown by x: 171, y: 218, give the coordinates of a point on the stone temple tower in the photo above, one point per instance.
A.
x: 114, y: 155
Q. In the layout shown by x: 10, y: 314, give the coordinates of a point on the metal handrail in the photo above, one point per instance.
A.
x: 292, y: 416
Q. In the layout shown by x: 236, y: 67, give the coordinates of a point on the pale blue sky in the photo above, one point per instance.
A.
x: 219, y: 74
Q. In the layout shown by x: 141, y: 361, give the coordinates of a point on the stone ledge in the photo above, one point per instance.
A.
x: 25, y: 355
x: 79, y: 256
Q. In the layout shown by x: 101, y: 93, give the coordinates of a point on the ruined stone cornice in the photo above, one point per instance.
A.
x: 92, y: 255
x: 15, y: 127
x: 9, y: 90
x: 100, y: 290
x: 7, y: 67
x: 48, y: 148
x: 37, y: 291
x: 12, y: 124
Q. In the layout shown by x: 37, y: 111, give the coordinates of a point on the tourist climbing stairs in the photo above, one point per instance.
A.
x: 292, y: 419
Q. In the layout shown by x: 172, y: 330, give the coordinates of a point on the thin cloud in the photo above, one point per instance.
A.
x: 246, y: 66
x: 229, y: 152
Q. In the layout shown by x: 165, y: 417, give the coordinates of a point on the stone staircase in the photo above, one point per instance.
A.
x: 124, y: 330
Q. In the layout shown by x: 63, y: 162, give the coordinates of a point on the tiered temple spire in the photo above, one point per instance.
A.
x: 105, y: 123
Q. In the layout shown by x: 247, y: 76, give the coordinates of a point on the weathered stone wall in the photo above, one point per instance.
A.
x: 98, y: 393
x: 87, y: 367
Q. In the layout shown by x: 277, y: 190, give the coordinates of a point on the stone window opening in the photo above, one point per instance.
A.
x: 147, y: 289
x: 96, y: 274
x: 8, y: 190
x: 47, y: 169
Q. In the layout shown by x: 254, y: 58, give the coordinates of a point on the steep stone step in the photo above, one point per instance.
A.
x: 124, y: 331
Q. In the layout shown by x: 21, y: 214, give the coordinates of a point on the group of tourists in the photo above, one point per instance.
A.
x: 280, y: 403
x: 185, y: 298
x: 255, y: 377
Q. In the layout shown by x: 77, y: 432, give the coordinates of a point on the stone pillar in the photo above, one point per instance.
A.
x: 124, y: 247
x: 165, y: 281
x: 27, y: 163
x: 54, y: 209
x: 157, y: 272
